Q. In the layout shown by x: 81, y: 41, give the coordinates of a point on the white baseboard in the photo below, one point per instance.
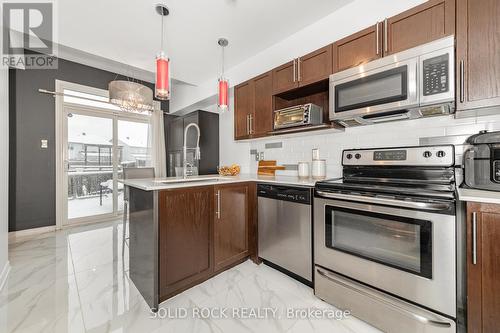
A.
x: 16, y: 236
x: 4, y: 274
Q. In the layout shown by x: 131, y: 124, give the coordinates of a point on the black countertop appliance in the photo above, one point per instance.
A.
x: 482, y: 161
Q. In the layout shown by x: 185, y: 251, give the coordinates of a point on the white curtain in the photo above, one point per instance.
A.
x: 157, y: 139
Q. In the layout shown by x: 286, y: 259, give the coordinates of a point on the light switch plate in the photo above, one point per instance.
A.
x: 44, y: 143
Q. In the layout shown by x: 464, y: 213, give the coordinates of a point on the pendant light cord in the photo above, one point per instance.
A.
x: 162, y: 28
x: 223, y: 62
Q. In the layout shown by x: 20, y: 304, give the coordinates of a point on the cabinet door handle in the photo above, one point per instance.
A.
x: 294, y: 70
x: 248, y: 124
x: 298, y: 70
x: 378, y: 36
x: 218, y: 204
x: 386, y: 37
x: 462, y: 86
x: 252, y: 130
x: 474, y: 238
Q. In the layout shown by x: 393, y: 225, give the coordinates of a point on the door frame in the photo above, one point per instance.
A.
x: 61, y: 108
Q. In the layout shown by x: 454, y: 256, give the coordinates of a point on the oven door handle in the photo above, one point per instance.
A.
x: 416, y: 316
x: 436, y: 206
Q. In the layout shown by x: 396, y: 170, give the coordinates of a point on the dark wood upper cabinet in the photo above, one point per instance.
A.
x: 315, y: 66
x: 483, y: 272
x: 285, y: 77
x: 478, y: 54
x: 231, y: 224
x: 262, y: 123
x: 243, y: 109
x: 185, y: 241
x: 429, y: 21
x: 356, y: 49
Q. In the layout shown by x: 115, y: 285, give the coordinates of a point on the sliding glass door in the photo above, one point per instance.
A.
x: 90, y: 166
x: 97, y: 146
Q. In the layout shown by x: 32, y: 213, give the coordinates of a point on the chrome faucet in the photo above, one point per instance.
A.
x: 197, y: 153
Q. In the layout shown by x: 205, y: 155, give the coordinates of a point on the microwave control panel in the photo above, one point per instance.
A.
x: 436, y: 75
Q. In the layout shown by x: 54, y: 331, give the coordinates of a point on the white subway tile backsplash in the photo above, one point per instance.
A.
x: 465, y: 129
x: 403, y: 133
x: 486, y: 119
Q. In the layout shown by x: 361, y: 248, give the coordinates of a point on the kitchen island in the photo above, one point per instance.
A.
x: 182, y: 232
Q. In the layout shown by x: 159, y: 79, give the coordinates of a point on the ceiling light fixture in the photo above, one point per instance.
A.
x: 223, y: 101
x: 162, y: 87
x: 131, y: 96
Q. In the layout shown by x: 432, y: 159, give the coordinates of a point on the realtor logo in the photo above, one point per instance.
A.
x: 28, y: 35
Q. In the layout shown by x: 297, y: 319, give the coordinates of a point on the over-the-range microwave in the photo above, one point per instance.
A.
x: 418, y: 82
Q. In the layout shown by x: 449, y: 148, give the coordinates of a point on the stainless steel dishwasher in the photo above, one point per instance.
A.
x: 285, y: 229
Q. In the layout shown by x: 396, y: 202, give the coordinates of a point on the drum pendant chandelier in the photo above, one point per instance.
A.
x: 131, y: 96
x: 162, y: 83
x: 223, y: 100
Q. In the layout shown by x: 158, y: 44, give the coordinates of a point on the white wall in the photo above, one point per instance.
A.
x: 4, y: 168
x: 231, y: 151
x: 353, y: 17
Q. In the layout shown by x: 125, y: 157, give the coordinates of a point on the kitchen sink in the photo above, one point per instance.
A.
x: 193, y: 180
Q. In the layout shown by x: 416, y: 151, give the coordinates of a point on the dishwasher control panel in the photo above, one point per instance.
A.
x: 285, y: 193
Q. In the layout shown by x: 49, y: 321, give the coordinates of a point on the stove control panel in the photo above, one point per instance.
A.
x: 412, y: 156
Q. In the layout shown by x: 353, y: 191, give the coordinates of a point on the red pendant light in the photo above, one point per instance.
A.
x: 223, y: 94
x: 163, y: 70
x: 223, y: 101
x: 162, y: 86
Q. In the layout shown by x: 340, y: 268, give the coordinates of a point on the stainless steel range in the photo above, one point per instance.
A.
x: 386, y: 239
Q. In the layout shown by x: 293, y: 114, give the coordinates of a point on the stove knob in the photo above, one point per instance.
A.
x: 440, y: 154
x: 358, y: 156
x: 349, y: 156
x: 427, y: 154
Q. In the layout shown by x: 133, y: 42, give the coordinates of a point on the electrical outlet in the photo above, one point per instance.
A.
x: 44, y: 143
x: 261, y: 156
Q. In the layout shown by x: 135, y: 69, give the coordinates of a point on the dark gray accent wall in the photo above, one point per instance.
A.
x: 32, y: 118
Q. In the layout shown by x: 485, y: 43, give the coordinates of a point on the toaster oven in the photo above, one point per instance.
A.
x: 299, y: 115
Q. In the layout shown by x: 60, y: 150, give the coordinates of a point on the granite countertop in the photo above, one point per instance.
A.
x: 468, y: 194
x: 155, y: 184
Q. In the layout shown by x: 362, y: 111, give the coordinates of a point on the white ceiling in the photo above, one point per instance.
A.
x: 128, y: 31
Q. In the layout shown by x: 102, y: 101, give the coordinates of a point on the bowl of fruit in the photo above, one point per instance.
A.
x: 231, y: 170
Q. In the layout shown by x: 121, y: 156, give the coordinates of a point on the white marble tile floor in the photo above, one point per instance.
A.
x: 75, y: 280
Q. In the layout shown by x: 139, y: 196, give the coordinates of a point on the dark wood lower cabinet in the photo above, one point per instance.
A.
x: 185, y: 242
x: 230, y: 224
x: 202, y: 231
x: 483, y: 268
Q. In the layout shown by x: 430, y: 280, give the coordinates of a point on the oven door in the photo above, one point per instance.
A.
x: 391, y: 87
x: 408, y: 253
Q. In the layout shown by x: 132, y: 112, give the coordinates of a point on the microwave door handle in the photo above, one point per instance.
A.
x: 383, y: 201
